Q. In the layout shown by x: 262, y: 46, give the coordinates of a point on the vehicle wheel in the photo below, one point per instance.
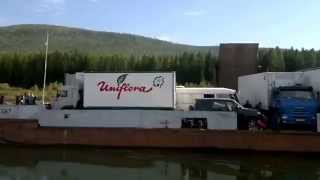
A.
x: 314, y: 127
x: 242, y: 123
x: 276, y: 122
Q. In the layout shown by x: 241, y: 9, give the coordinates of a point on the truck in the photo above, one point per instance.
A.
x: 284, y: 97
x: 117, y: 90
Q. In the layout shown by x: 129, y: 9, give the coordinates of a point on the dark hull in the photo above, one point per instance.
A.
x: 30, y: 133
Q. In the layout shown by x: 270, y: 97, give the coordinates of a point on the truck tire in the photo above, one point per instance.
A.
x: 276, y: 122
x: 314, y: 127
x: 242, y: 122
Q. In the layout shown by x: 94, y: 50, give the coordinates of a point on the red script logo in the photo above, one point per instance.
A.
x: 122, y: 87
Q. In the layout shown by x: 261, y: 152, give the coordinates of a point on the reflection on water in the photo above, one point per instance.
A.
x: 21, y: 163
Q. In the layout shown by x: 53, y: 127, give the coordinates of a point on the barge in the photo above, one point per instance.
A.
x: 29, y: 132
x: 143, y: 110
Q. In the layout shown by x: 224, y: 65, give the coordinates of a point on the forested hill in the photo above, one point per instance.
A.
x: 30, y: 39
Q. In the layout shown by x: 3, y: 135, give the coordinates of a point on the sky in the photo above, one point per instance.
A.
x: 283, y: 23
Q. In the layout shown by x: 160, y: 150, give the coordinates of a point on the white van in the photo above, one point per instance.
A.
x: 186, y: 96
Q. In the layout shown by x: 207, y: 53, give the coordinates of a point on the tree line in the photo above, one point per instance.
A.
x: 287, y: 60
x: 26, y: 70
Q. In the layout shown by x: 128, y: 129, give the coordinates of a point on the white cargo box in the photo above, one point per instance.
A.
x: 312, y: 78
x: 257, y: 88
x: 147, y: 90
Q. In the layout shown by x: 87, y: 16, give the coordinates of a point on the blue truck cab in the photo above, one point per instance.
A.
x: 293, y: 106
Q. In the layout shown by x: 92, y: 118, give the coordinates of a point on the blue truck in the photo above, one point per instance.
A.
x: 282, y: 96
x: 293, y: 106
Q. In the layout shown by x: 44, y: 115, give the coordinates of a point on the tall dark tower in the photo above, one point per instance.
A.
x: 236, y: 59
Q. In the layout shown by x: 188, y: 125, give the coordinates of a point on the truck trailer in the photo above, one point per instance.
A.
x: 118, y: 90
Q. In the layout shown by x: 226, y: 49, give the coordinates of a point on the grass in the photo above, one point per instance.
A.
x: 10, y: 92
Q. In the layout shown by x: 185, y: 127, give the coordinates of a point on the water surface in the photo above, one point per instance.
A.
x: 79, y: 163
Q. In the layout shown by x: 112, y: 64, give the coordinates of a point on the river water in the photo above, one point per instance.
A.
x: 79, y: 163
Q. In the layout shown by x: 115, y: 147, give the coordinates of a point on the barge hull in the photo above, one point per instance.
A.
x: 30, y: 133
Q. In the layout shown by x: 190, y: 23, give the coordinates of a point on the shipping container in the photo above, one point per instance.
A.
x: 312, y: 78
x: 256, y: 88
x: 143, y: 90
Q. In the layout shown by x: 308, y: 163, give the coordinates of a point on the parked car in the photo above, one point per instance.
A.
x: 247, y: 117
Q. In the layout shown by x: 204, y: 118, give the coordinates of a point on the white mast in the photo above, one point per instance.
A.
x: 45, y: 69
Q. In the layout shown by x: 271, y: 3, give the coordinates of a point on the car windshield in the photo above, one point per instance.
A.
x: 62, y: 93
x: 296, y: 94
x: 223, y: 106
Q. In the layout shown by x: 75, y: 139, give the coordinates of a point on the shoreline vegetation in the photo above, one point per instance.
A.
x: 26, y: 70
x: 10, y: 92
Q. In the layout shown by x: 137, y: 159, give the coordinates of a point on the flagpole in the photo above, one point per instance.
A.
x: 45, y: 70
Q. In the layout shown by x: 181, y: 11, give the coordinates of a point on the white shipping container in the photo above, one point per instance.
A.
x: 312, y: 78
x: 149, y: 90
x: 257, y: 88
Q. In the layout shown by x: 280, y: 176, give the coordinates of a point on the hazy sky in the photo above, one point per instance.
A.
x: 283, y: 23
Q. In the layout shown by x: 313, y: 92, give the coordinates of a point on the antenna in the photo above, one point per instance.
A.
x: 45, y: 69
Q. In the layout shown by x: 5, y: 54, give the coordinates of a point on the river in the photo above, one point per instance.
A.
x: 84, y: 163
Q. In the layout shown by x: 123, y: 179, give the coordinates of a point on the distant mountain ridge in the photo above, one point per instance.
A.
x: 30, y: 38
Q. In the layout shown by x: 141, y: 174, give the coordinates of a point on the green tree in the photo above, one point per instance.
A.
x: 277, y: 60
x: 290, y: 59
x: 309, y: 57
